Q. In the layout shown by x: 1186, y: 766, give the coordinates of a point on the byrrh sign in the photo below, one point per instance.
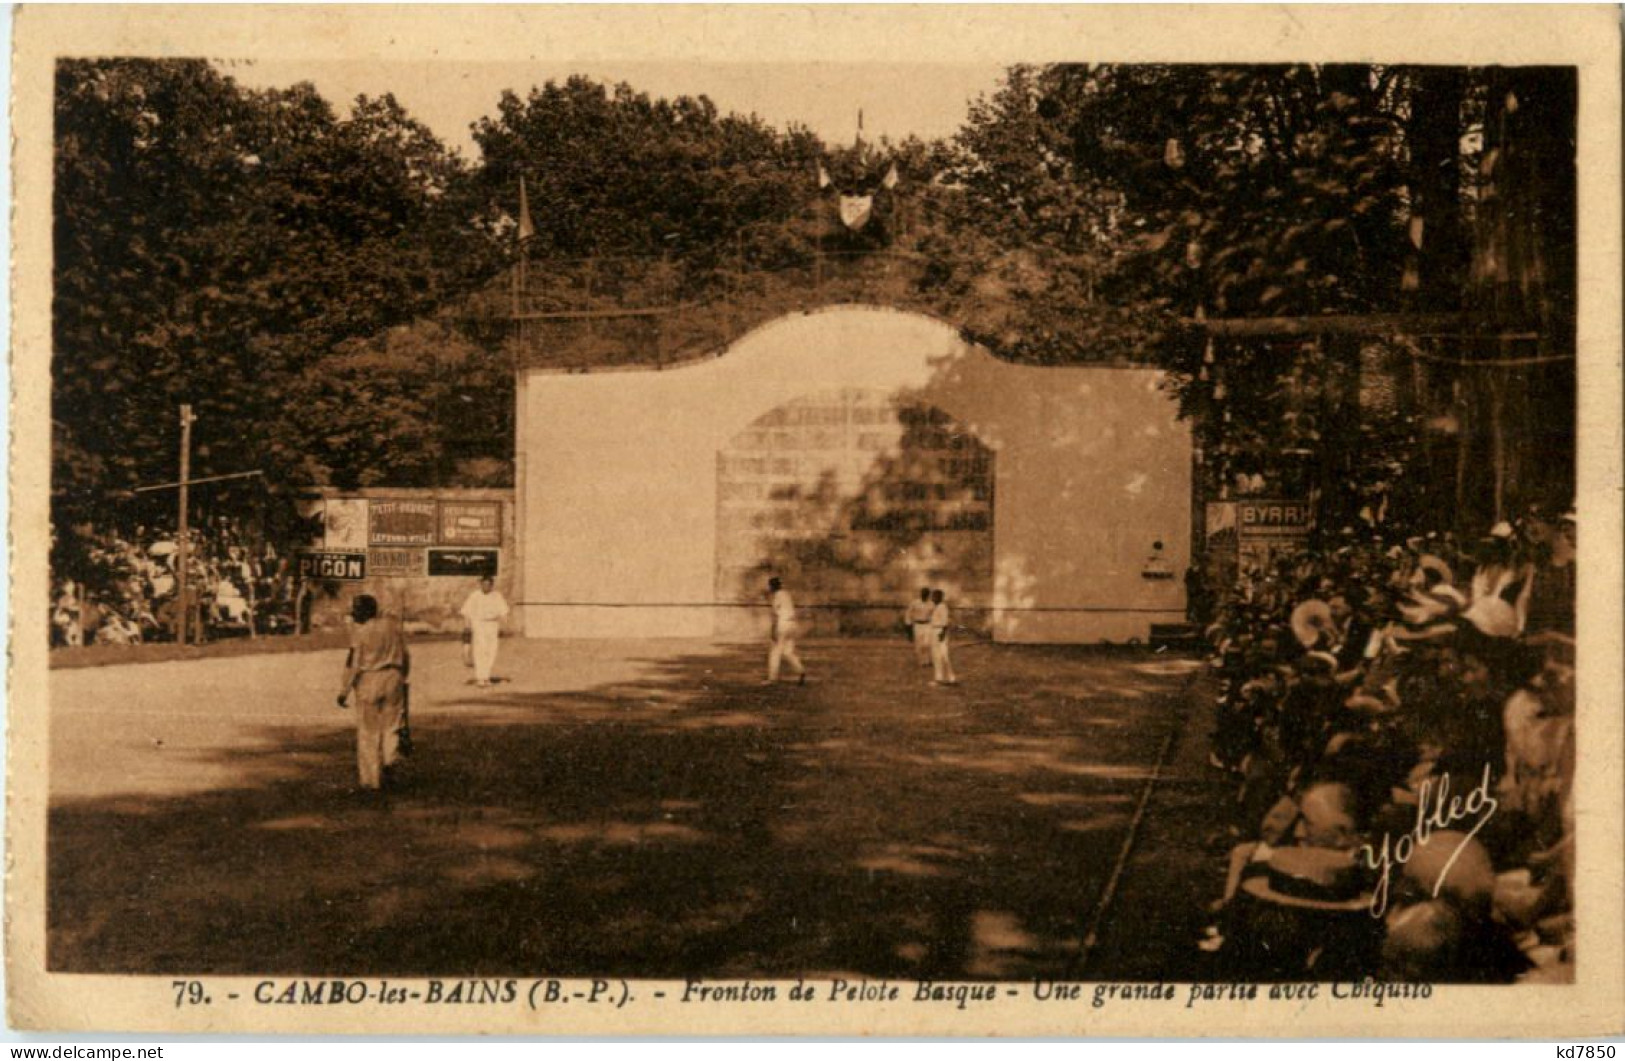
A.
x: 1260, y: 518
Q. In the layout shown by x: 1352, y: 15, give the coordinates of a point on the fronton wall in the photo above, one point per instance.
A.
x: 832, y: 471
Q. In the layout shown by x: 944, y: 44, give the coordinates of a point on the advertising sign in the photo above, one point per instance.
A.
x: 403, y: 522
x: 344, y: 521
x: 1260, y: 519
x: 463, y: 563
x: 1269, y: 529
x: 395, y: 563
x: 342, y: 567
x: 1260, y: 553
x: 470, y: 523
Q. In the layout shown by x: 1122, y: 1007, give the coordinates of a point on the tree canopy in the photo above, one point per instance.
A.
x: 1159, y: 199
x: 213, y: 244
x: 612, y: 171
x: 329, y: 292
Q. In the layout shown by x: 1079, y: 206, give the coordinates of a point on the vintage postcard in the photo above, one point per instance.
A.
x: 816, y: 520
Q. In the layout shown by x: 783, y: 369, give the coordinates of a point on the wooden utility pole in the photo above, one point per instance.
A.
x: 182, y: 595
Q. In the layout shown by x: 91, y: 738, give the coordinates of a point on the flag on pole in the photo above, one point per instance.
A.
x: 526, y: 229
x: 890, y: 180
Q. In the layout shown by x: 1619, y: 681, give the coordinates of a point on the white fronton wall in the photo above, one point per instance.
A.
x: 617, y: 478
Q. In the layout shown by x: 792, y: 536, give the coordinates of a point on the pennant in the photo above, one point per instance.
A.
x: 890, y: 180
x: 526, y: 229
x: 856, y: 210
x: 823, y: 177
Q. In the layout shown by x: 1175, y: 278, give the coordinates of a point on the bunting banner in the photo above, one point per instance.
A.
x: 856, y: 210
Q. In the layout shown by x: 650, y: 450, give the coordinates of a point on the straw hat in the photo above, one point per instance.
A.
x: 1437, y: 630
x: 1492, y: 617
x: 1380, y: 701
x: 1557, y: 647
x: 1311, y: 878
x: 1310, y: 619
x: 1318, y: 662
x: 1428, y: 562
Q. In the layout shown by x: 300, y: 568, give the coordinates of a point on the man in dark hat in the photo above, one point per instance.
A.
x: 375, y: 674
x: 1351, y: 613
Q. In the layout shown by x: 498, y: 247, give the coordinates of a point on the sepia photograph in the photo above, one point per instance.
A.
x: 678, y: 532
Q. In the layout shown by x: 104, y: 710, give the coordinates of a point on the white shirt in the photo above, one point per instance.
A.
x: 784, y: 608
x: 919, y: 611
x: 940, y: 617
x: 483, y: 607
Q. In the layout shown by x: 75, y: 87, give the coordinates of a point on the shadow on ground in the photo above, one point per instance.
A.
x: 687, y: 823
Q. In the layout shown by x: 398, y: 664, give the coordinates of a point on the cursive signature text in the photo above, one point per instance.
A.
x: 1436, y: 810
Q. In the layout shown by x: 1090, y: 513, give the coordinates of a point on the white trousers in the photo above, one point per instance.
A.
x: 783, y: 649
x: 922, y: 642
x: 487, y: 636
x: 379, y: 703
x: 942, y: 668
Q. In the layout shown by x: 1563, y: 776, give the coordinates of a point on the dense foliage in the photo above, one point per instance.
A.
x: 216, y: 246
x: 1154, y: 203
x: 329, y: 292
x: 613, y: 172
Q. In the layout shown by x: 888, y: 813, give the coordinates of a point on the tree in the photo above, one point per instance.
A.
x: 1148, y: 197
x: 612, y: 171
x: 1033, y: 235
x: 212, y: 244
x: 410, y: 407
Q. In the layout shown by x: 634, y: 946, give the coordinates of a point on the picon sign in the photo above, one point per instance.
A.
x: 340, y: 567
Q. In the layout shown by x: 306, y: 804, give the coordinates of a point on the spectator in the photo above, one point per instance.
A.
x: 1353, y: 683
x: 129, y: 592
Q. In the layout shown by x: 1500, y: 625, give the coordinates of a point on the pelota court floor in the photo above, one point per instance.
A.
x: 631, y: 808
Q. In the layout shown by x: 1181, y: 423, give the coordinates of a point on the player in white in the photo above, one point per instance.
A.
x: 784, y: 633
x: 483, y: 613
x: 942, y: 668
x: 918, y: 618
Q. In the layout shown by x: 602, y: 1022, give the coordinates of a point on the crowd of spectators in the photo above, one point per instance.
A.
x: 1396, y: 724
x: 237, y: 586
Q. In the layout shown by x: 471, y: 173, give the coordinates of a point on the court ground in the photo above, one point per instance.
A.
x: 641, y: 809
